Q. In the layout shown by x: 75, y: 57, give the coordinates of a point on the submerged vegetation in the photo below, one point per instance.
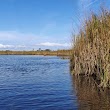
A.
x: 91, y: 49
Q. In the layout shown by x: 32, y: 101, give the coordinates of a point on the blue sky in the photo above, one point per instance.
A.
x: 34, y: 24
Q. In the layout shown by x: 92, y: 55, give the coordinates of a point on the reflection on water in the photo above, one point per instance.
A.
x: 90, y: 97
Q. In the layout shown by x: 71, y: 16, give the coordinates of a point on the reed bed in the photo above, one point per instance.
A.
x: 42, y: 52
x: 91, y: 49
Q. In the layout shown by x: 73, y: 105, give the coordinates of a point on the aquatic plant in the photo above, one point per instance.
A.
x: 91, y: 49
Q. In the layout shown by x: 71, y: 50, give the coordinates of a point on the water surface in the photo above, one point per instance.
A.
x: 36, y: 83
x: 89, y: 95
x: 45, y: 83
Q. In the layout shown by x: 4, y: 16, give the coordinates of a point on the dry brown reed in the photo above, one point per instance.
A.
x: 91, y: 49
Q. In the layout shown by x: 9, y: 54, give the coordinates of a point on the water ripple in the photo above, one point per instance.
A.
x: 35, y: 83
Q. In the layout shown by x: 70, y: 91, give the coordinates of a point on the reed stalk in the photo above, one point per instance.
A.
x: 91, y: 49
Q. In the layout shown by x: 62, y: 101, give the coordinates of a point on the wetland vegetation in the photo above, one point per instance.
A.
x: 46, y: 52
x: 91, y: 49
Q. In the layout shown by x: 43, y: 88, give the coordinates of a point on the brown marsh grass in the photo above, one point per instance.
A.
x: 42, y: 52
x: 91, y: 49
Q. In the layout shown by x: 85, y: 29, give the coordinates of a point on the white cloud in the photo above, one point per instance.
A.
x: 54, y: 44
x: 6, y: 46
x: 86, y: 3
x: 21, y: 46
x: 25, y: 41
x: 90, y: 3
x: 3, y: 46
x: 45, y: 44
x: 16, y: 37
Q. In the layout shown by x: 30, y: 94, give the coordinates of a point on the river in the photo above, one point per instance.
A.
x: 45, y: 83
x: 36, y: 83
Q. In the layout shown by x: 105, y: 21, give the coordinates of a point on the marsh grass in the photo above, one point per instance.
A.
x: 91, y: 49
x: 42, y: 52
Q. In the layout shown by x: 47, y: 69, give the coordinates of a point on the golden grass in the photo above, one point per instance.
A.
x: 91, y: 49
x: 42, y: 52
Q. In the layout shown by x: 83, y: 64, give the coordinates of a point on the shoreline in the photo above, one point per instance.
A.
x: 60, y: 53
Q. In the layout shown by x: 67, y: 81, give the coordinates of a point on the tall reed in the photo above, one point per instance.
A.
x: 91, y: 49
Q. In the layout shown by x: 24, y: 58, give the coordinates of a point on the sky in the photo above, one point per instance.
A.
x: 45, y: 24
